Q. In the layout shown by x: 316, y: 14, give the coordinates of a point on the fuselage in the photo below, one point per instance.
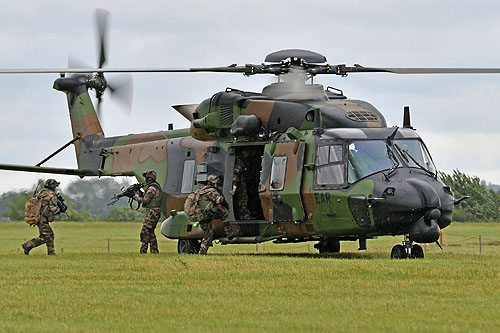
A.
x: 322, y: 165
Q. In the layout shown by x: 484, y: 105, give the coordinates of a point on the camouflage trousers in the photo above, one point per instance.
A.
x: 148, y: 236
x: 217, y: 212
x: 46, y: 237
x: 241, y: 200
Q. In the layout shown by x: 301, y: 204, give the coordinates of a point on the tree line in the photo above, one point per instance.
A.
x: 484, y: 202
x: 87, y: 200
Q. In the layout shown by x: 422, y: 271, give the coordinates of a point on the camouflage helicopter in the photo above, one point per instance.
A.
x: 322, y: 167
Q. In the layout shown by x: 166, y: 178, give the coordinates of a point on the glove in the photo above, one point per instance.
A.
x: 233, y: 190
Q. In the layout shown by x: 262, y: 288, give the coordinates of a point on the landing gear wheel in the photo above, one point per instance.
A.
x: 417, y: 251
x: 398, y: 252
x: 188, y: 246
x: 328, y: 246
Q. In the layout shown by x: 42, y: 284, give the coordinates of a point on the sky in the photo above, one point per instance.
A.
x: 456, y: 115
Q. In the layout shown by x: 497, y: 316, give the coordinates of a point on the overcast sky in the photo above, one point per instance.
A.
x: 456, y: 115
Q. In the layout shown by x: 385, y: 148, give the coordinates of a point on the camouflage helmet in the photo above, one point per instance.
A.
x: 51, y: 183
x: 213, y: 179
x: 150, y: 174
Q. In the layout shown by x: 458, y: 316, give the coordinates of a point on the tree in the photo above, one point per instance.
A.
x: 16, y: 204
x: 125, y: 214
x: 483, y: 204
x: 94, y: 194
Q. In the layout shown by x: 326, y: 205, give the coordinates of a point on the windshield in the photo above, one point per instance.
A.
x: 367, y: 157
x: 417, y: 150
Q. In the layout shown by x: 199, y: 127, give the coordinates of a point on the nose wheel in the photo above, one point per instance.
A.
x: 407, y: 250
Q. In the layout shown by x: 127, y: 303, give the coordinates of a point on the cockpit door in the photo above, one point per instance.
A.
x: 280, y: 181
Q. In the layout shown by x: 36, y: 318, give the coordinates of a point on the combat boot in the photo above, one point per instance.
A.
x: 203, y: 250
x: 26, y: 249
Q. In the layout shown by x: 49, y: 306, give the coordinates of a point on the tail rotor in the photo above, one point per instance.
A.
x: 119, y: 87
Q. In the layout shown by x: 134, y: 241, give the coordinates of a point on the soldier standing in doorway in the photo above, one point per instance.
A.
x: 151, y: 200
x: 48, y: 210
x: 239, y: 190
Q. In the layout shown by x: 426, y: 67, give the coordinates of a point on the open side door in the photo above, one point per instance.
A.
x: 280, y: 181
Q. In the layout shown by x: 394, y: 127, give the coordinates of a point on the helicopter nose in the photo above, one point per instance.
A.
x: 414, y: 205
x: 425, y: 192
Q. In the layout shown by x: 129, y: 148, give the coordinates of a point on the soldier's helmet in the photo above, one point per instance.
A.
x: 213, y: 179
x: 51, y: 183
x: 150, y: 174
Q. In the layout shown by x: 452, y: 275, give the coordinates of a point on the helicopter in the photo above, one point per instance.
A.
x: 323, y: 167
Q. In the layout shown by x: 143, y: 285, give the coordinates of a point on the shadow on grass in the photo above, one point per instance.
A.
x: 345, y: 255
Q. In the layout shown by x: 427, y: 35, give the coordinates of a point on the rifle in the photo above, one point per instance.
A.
x: 128, y: 192
x: 60, y: 203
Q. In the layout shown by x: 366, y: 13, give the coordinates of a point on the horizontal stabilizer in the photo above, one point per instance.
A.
x: 59, y: 171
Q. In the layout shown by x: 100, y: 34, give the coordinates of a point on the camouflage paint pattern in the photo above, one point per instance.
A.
x: 293, y: 128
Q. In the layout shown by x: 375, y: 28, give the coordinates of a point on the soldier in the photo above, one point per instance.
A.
x: 211, y: 204
x: 48, y: 210
x: 151, y: 200
x: 239, y: 190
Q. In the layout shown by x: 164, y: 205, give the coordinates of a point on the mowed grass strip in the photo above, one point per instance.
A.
x: 285, y: 288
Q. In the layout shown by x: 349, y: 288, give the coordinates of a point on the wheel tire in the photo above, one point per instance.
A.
x: 398, y: 252
x: 328, y: 246
x: 333, y: 245
x: 187, y: 246
x: 417, y: 251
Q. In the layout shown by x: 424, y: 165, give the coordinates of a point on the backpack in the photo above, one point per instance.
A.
x: 32, y: 209
x: 191, y: 208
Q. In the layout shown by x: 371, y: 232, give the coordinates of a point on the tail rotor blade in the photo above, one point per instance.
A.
x: 121, y: 90
x: 102, y: 17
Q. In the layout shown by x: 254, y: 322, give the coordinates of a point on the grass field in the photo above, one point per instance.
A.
x: 244, y: 288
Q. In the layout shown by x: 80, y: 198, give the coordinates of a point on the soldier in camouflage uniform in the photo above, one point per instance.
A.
x: 239, y: 190
x: 211, y: 203
x: 48, y: 210
x: 151, y: 200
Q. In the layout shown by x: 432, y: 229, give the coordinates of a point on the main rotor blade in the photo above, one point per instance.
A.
x: 228, y: 69
x: 101, y: 16
x: 258, y: 69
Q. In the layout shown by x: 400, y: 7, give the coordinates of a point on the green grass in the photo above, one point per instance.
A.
x: 280, y: 288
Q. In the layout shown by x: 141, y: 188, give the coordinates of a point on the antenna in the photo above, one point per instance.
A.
x: 406, y: 117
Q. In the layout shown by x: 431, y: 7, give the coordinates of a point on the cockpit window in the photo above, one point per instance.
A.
x: 278, y: 172
x: 418, y: 154
x: 330, y: 165
x: 367, y: 157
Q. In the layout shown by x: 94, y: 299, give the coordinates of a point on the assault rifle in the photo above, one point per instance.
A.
x: 60, y: 203
x: 128, y: 192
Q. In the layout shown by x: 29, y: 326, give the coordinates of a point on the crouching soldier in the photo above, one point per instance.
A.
x: 151, y: 200
x: 48, y: 209
x: 212, y: 206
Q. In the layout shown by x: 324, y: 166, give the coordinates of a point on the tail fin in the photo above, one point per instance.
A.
x: 84, y: 121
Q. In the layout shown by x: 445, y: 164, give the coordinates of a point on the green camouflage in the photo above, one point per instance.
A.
x: 48, y: 210
x: 151, y: 200
x: 210, y: 203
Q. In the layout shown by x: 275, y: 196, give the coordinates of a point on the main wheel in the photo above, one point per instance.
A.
x: 417, y: 251
x: 188, y: 246
x: 398, y: 252
x: 328, y: 246
x: 333, y: 245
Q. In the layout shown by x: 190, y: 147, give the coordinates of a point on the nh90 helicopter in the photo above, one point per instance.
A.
x: 322, y: 167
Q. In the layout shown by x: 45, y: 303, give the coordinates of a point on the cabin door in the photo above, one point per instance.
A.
x: 280, y: 181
